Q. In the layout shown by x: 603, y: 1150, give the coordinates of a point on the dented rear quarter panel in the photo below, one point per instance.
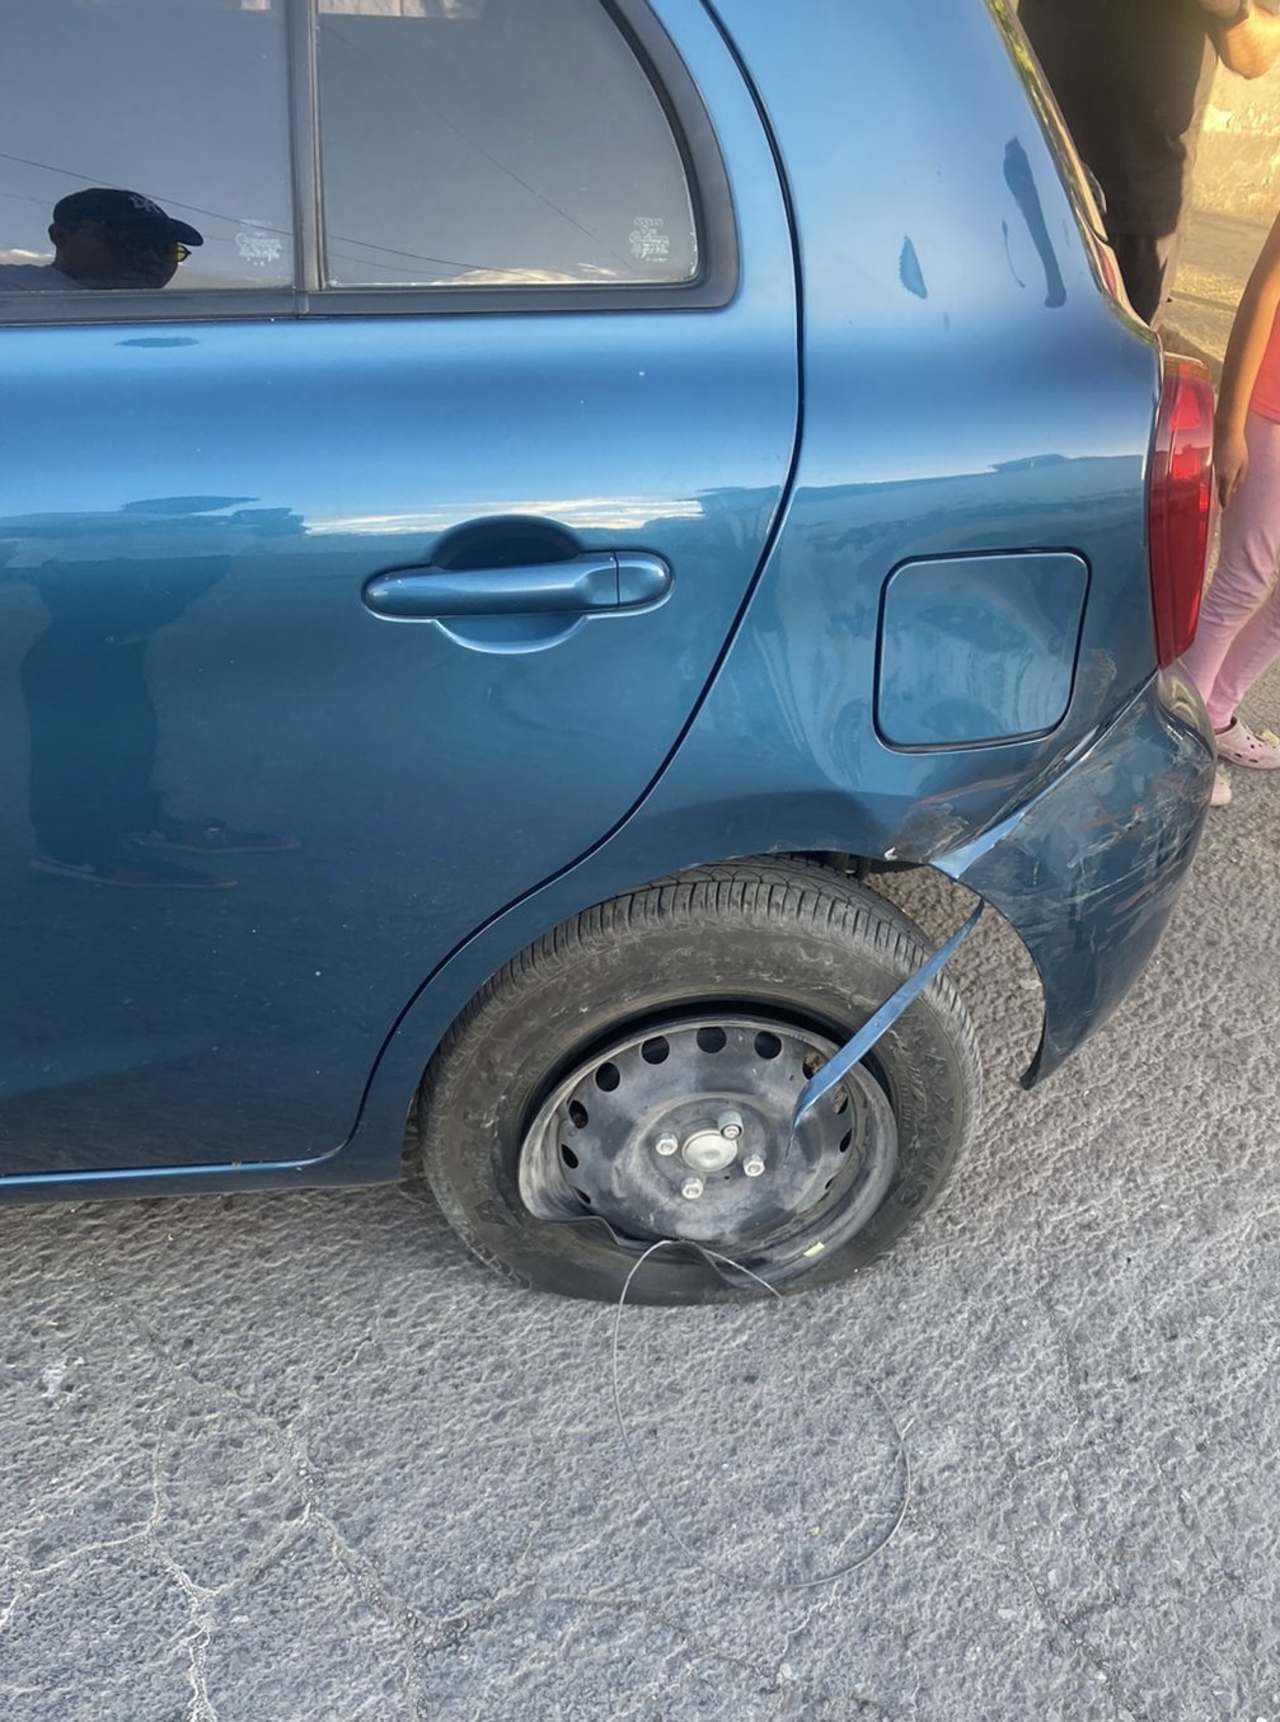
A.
x: 968, y: 390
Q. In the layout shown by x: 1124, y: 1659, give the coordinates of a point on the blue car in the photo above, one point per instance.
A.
x: 511, y: 512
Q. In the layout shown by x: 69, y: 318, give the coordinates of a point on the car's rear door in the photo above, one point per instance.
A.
x: 363, y: 577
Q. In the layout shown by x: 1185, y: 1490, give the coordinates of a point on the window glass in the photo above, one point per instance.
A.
x: 494, y: 142
x: 141, y: 130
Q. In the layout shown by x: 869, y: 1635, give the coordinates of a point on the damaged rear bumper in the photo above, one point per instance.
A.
x: 1088, y: 871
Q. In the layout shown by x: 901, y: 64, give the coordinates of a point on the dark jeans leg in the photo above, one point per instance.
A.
x: 1147, y: 262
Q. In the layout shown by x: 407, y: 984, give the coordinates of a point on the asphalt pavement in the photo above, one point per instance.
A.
x: 297, y: 1458
x: 1217, y: 255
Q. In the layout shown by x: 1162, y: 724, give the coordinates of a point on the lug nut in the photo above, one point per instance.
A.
x: 692, y: 1188
x: 753, y: 1166
x: 730, y: 1123
x: 666, y: 1145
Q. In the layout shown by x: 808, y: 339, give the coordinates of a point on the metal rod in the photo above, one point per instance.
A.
x: 854, y: 1051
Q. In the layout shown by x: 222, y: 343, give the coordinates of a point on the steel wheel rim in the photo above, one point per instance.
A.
x: 626, y: 1132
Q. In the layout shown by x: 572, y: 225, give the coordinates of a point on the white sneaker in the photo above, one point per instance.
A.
x: 1220, y: 794
x: 1241, y: 746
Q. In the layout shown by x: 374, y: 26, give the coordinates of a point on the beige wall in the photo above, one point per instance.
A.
x: 1238, y: 171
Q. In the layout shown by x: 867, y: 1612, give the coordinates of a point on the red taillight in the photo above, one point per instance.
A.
x: 1180, y: 503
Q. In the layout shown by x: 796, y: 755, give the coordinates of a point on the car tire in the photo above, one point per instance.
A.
x: 593, y: 1082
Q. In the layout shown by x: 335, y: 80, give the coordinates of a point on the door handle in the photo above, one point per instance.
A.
x: 600, y: 580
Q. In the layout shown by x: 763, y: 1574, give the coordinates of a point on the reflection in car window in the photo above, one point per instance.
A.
x: 481, y: 142
x: 140, y: 130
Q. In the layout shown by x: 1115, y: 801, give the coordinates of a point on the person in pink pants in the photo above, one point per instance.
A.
x: 1238, y: 635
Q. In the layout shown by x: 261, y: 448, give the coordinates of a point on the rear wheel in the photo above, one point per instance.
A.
x: 632, y: 1076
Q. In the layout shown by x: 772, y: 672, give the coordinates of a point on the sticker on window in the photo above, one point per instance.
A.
x: 650, y: 242
x: 258, y: 245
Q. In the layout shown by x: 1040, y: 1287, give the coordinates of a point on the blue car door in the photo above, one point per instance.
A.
x: 361, y: 573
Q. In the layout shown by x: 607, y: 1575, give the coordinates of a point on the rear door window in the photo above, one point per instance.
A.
x: 141, y: 126
x: 490, y: 143
x: 162, y: 147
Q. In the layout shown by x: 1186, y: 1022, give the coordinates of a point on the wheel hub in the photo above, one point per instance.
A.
x: 708, y: 1151
x: 686, y: 1133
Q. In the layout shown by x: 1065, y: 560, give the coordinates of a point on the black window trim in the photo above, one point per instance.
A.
x: 706, y: 177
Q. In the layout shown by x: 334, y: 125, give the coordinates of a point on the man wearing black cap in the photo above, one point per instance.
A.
x: 105, y: 238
